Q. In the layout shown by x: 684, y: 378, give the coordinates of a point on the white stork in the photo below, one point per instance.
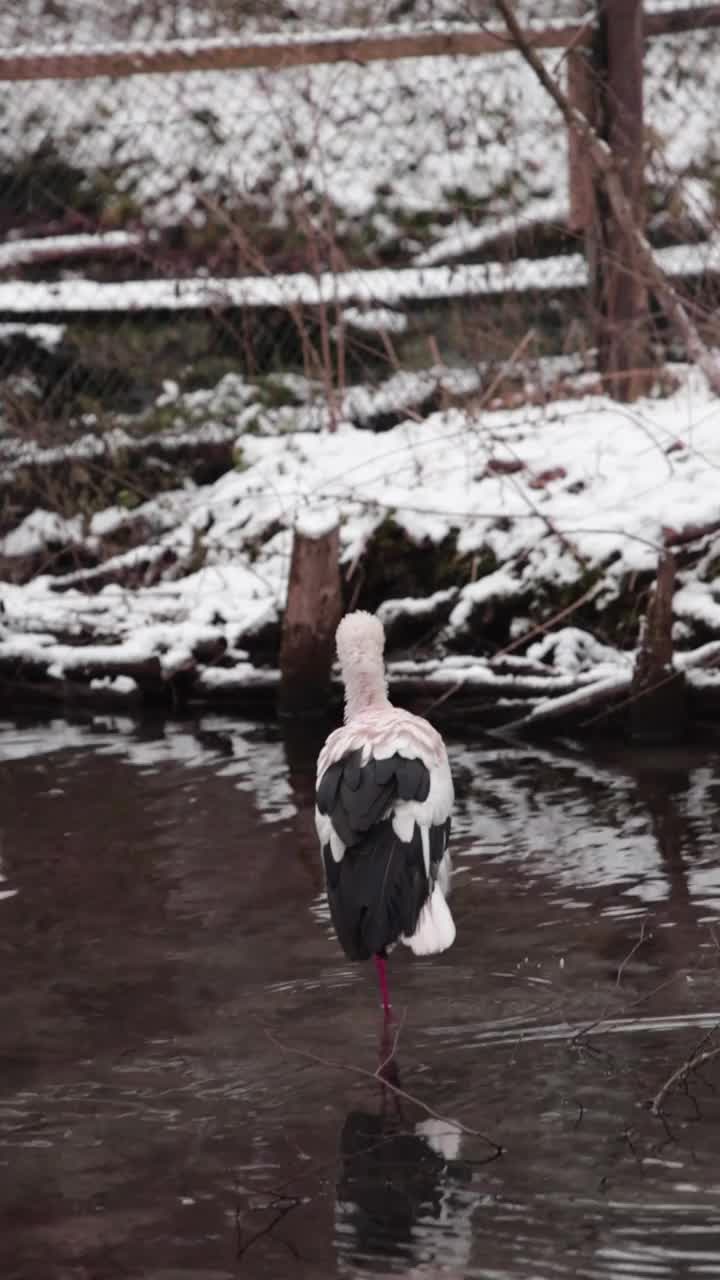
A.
x: 384, y: 795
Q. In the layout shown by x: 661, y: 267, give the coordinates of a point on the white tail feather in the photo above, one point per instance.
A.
x: 443, y: 1136
x: 435, y: 928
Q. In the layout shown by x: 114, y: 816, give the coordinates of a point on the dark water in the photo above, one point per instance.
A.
x: 186, y: 1061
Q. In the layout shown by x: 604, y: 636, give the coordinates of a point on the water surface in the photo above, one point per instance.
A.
x: 187, y: 1062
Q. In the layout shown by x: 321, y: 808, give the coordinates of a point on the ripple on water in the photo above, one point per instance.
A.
x: 575, y: 823
x: 136, y: 1076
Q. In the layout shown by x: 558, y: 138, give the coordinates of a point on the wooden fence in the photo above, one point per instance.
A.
x: 605, y: 79
x: 278, y: 54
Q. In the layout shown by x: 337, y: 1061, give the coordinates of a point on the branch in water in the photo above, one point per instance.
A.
x: 375, y: 1075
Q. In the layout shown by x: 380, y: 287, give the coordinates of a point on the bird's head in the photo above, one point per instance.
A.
x: 360, y: 640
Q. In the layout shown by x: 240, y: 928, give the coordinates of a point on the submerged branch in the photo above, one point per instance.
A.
x: 696, y: 1060
x: 393, y: 1088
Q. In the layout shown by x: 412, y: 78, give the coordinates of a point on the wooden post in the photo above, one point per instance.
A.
x: 619, y: 290
x: 658, y: 710
x: 313, y: 610
x: 581, y: 95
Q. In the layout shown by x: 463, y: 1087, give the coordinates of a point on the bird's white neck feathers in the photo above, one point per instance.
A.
x: 360, y: 644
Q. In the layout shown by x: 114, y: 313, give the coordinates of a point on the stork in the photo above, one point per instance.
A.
x: 384, y: 796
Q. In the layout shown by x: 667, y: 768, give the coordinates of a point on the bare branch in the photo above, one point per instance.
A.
x: 375, y: 1075
x: 631, y: 952
x: 682, y: 1072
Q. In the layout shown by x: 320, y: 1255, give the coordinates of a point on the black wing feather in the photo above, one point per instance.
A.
x: 376, y: 892
x: 439, y: 837
x: 328, y: 787
x: 384, y: 769
x: 378, y: 888
x: 413, y: 782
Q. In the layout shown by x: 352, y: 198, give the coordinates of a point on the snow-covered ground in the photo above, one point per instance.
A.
x: 535, y: 500
x: 421, y: 162
x: 401, y: 152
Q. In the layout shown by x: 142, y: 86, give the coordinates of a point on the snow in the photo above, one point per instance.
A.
x: 708, y: 654
x: 464, y: 671
x: 619, y: 489
x: 396, y: 152
x: 404, y: 391
x: 700, y: 602
x: 318, y: 521
x: 574, y: 651
x: 346, y: 131
x: 19, y: 452
x: 377, y: 141
x: 98, y: 24
x: 16, y: 252
x: 242, y: 676
x: 122, y: 685
x: 390, y: 610
x: 375, y: 319
x: 471, y: 146
x: 260, y: 40
x: 464, y: 238
x: 498, y: 585
x: 40, y: 530
x: 372, y: 286
x: 48, y: 336
x: 616, y: 682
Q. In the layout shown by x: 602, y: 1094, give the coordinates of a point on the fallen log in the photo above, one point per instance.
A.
x: 600, y: 697
x: 689, y: 533
x: 59, y: 248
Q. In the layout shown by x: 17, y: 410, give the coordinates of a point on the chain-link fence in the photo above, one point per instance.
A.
x: 339, y: 221
x: 44, y: 22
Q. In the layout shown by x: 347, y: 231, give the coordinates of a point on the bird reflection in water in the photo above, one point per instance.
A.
x: 403, y: 1191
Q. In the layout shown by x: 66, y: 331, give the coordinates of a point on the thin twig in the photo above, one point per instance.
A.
x: 243, y: 1246
x: 631, y: 952
x: 606, y: 1016
x: 543, y: 627
x: 443, y: 697
x: 374, y: 1075
x: 632, y: 698
x: 393, y: 1049
x: 683, y: 1071
x: 505, y: 367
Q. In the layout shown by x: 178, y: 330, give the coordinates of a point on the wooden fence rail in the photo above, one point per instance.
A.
x: 272, y: 53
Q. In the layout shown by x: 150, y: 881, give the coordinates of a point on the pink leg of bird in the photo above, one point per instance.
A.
x: 388, y: 1074
x: 382, y: 979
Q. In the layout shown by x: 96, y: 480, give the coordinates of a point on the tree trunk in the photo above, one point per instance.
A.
x: 313, y: 610
x: 658, y: 710
x: 619, y: 291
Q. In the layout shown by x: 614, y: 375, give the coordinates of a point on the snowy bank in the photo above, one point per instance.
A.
x: 475, y: 532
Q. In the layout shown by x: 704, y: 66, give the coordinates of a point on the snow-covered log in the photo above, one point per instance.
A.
x: 596, y: 699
